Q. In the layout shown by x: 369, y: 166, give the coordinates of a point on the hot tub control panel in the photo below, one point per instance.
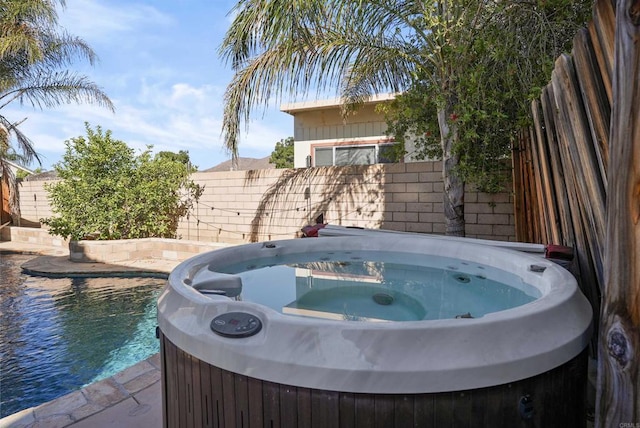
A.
x: 236, y: 325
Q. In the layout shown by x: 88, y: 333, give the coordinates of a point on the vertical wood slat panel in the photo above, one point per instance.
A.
x: 526, y: 200
x: 603, y: 34
x: 443, y: 410
x: 206, y: 399
x: 347, y: 410
x: 241, y: 390
x: 324, y: 409
x: 172, y: 383
x: 588, y: 276
x: 547, y: 103
x: 188, y: 376
x: 164, y: 367
x: 196, y: 382
x: 518, y: 200
x: 546, y: 406
x: 533, y: 219
x: 576, y: 139
x: 462, y: 409
x: 542, y: 402
x: 364, y: 409
x: 256, y: 411
x: 595, y: 98
x: 182, y: 398
x: 494, y: 410
x: 383, y: 411
x: 271, y: 404
x: 618, y: 398
x: 423, y: 411
x: 546, y: 178
x: 543, y: 227
x: 228, y: 405
x: 163, y: 380
x: 217, y: 397
x: 303, y: 401
x: 288, y: 406
x: 403, y: 410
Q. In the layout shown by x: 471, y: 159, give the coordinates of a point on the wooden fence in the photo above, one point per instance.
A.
x: 576, y: 181
x: 5, y: 215
x: 560, y: 164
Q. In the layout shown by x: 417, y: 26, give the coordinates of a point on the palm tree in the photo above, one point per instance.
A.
x: 33, y: 61
x: 364, y: 47
x: 287, y: 48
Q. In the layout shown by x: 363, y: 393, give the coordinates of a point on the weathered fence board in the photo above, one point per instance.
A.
x: 525, y: 198
x: 575, y: 135
x: 602, y: 31
x: 586, y: 272
x: 519, y: 194
x: 587, y: 150
x: 532, y: 194
x: 562, y: 199
x: 595, y: 100
x: 618, y: 399
x: 541, y: 227
x: 546, y: 177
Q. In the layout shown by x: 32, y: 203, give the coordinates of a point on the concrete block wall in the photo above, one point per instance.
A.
x: 30, y: 235
x: 131, y: 249
x: 34, y: 202
x: 249, y: 206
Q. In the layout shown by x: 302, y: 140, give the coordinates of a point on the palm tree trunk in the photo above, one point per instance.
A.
x: 453, y: 195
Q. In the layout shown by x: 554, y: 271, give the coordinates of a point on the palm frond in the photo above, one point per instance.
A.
x: 42, y: 88
x: 24, y: 146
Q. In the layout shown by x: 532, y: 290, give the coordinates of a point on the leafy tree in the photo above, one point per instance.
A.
x: 34, y: 56
x: 21, y: 175
x: 182, y: 156
x: 282, y: 155
x: 367, y: 47
x: 493, y: 93
x: 107, y: 192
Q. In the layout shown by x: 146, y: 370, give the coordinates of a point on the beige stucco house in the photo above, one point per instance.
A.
x: 323, y: 137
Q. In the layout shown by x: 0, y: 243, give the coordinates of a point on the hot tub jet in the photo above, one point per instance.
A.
x: 383, y: 299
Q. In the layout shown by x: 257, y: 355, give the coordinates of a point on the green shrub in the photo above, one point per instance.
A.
x: 107, y: 192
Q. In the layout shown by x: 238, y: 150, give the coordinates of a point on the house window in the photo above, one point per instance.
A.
x: 359, y: 155
x: 354, y: 155
x: 387, y: 153
x: 324, y: 156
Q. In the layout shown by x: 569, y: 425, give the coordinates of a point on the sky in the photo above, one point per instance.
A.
x: 159, y: 64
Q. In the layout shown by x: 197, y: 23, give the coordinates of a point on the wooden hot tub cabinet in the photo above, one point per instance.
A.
x: 198, y: 394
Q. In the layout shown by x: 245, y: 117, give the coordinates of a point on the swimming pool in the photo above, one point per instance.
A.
x: 60, y: 334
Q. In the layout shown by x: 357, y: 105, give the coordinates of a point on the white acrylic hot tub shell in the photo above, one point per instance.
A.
x: 394, y: 357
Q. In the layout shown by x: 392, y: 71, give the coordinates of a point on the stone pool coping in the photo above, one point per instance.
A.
x: 123, y: 387
x: 125, y: 252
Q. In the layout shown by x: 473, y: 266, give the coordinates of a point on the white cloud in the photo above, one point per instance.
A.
x: 174, y: 117
x: 261, y: 138
x: 99, y: 21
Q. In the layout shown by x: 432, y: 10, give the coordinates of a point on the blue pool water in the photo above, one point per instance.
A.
x: 60, y: 334
x: 379, y: 286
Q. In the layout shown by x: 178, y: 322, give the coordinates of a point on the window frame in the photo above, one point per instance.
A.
x: 347, y: 145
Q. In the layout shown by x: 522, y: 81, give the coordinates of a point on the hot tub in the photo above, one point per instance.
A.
x: 372, y: 331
